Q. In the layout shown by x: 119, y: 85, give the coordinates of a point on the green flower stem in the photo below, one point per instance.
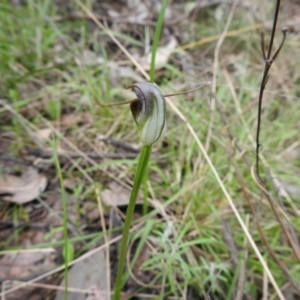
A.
x: 145, y: 190
x: 140, y: 171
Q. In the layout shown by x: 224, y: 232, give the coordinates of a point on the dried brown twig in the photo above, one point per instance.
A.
x: 268, y: 63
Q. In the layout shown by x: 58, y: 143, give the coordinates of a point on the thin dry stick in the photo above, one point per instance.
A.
x: 268, y: 63
x: 243, y: 267
x: 36, y: 250
x: 216, y: 37
x: 277, y: 215
x: 265, y: 287
x: 10, y: 283
x: 255, y: 248
x: 151, y: 296
x: 215, y: 72
x: 106, y: 239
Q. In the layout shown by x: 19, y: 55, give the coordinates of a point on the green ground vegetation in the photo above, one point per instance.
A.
x: 53, y: 66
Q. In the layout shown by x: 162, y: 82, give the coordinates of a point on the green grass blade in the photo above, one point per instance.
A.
x: 157, y: 34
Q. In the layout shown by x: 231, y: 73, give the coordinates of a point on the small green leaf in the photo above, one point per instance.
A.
x: 68, y: 253
x: 54, y: 109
